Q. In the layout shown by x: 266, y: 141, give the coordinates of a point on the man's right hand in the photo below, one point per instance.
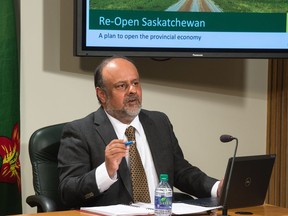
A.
x: 114, y: 153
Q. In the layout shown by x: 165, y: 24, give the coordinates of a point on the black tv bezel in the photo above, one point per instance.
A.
x: 81, y: 50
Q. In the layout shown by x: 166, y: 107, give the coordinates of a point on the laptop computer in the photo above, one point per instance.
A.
x: 248, y: 185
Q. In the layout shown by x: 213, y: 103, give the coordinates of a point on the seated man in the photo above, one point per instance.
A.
x: 93, y: 159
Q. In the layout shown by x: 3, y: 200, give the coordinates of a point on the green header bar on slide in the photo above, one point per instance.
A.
x: 188, y: 21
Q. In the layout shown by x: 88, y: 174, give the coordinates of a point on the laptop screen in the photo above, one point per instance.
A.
x: 249, y: 181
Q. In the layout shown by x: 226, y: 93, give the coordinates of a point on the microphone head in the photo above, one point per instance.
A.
x: 226, y: 138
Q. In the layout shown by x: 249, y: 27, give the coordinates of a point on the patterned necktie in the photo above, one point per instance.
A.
x: 138, y: 176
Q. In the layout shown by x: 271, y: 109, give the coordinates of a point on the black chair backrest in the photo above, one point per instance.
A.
x: 43, y: 150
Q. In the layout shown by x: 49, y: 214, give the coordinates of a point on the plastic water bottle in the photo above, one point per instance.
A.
x: 163, y: 197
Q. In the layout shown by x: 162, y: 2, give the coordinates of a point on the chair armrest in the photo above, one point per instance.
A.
x: 43, y: 203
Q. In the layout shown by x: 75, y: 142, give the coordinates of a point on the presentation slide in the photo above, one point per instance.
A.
x: 187, y: 24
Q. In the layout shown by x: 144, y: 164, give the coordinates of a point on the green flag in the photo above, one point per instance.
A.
x: 10, y: 181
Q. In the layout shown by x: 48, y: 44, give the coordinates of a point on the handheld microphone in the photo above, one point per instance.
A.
x: 228, y: 138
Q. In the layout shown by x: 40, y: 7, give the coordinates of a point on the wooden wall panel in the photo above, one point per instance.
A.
x: 277, y: 119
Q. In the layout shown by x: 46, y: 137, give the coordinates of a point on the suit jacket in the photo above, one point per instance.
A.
x: 82, y: 150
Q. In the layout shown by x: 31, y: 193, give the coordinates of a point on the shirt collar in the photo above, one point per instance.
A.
x: 120, y: 127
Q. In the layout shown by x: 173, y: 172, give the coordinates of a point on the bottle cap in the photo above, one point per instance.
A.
x: 163, y: 177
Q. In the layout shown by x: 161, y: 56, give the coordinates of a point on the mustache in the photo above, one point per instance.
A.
x: 131, y: 98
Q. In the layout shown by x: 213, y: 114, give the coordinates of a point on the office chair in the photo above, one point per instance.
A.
x: 43, y: 150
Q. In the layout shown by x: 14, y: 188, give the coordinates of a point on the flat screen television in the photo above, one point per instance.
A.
x: 182, y: 28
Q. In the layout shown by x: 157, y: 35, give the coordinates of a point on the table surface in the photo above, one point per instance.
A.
x: 264, y: 210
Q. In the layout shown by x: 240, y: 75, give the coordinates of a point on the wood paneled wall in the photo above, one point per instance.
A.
x: 277, y: 140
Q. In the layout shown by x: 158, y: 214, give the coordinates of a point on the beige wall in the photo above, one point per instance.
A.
x: 203, y: 97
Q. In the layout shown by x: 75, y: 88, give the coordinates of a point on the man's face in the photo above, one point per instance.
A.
x: 124, y: 94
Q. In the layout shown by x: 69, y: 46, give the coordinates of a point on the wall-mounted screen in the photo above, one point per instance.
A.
x: 182, y: 28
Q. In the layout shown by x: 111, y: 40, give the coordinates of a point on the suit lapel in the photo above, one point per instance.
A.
x: 105, y: 129
x: 152, y: 136
x: 103, y: 126
x: 124, y: 175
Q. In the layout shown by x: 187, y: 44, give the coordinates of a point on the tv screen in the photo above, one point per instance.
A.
x: 182, y: 28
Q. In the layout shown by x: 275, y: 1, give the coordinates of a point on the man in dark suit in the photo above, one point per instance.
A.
x: 93, y: 166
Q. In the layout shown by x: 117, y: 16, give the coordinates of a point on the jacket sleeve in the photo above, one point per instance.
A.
x: 76, y: 175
